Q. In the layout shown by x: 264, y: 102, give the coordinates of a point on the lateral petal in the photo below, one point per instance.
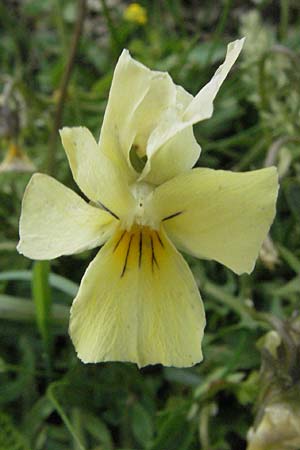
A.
x: 55, y: 221
x: 128, y: 307
x: 218, y: 214
x: 99, y: 178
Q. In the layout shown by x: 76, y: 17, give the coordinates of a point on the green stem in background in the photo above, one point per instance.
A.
x: 284, y: 19
x: 51, y: 394
x: 60, y: 26
x: 249, y: 316
x: 235, y: 304
x: 249, y: 157
x: 64, y: 86
x: 41, y: 294
x: 262, y: 88
x: 219, y: 29
x: 23, y: 310
x: 8, y: 246
x: 56, y: 281
x: 272, y: 155
x: 206, y: 413
x: 77, y: 423
x: 176, y: 9
x: 114, y: 36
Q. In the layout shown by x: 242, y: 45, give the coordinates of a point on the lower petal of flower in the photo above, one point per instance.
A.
x: 138, y: 302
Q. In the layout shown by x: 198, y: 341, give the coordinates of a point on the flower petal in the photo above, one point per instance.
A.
x: 201, y: 107
x: 170, y: 141
x: 219, y: 215
x: 128, y: 307
x: 55, y: 221
x: 148, y: 111
x: 96, y: 175
x: 176, y: 155
x: 137, y: 100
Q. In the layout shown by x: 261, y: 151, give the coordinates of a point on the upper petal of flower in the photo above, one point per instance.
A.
x: 96, y: 174
x: 187, y: 111
x: 219, y: 215
x: 55, y: 221
x: 148, y: 112
x: 137, y: 101
x: 179, y: 153
x: 201, y: 107
x: 140, y: 102
x: 128, y: 307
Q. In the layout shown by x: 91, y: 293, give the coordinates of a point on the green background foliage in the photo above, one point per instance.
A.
x: 48, y: 398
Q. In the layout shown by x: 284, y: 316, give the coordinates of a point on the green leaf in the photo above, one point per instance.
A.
x: 35, y: 417
x: 19, y: 386
x: 290, y: 288
x: 289, y: 258
x: 175, y: 432
x: 99, y: 430
x: 10, y: 437
x: 54, y: 392
x: 142, y: 425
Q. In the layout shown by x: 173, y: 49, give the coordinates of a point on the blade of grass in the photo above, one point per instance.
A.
x: 23, y: 310
x: 113, y: 31
x: 235, y: 304
x: 224, y: 15
x: 289, y: 258
x: 51, y: 394
x: 56, y: 281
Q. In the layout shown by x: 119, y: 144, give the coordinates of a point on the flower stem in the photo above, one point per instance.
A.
x: 284, y: 19
x: 114, y: 36
x: 81, y: 8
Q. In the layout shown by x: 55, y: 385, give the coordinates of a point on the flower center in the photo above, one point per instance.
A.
x: 141, y: 213
x: 138, y: 158
x: 141, y: 247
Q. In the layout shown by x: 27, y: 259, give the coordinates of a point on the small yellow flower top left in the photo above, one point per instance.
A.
x: 136, y: 13
x: 138, y: 300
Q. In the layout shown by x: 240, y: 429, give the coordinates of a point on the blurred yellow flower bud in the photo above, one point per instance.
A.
x: 276, y: 426
x: 278, y: 430
x: 136, y: 13
x: 16, y: 160
x: 268, y: 254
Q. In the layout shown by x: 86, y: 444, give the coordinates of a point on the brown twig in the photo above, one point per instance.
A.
x: 272, y: 154
x: 81, y: 10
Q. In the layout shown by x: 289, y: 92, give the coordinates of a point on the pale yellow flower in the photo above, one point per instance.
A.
x: 136, y: 13
x: 138, y: 300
